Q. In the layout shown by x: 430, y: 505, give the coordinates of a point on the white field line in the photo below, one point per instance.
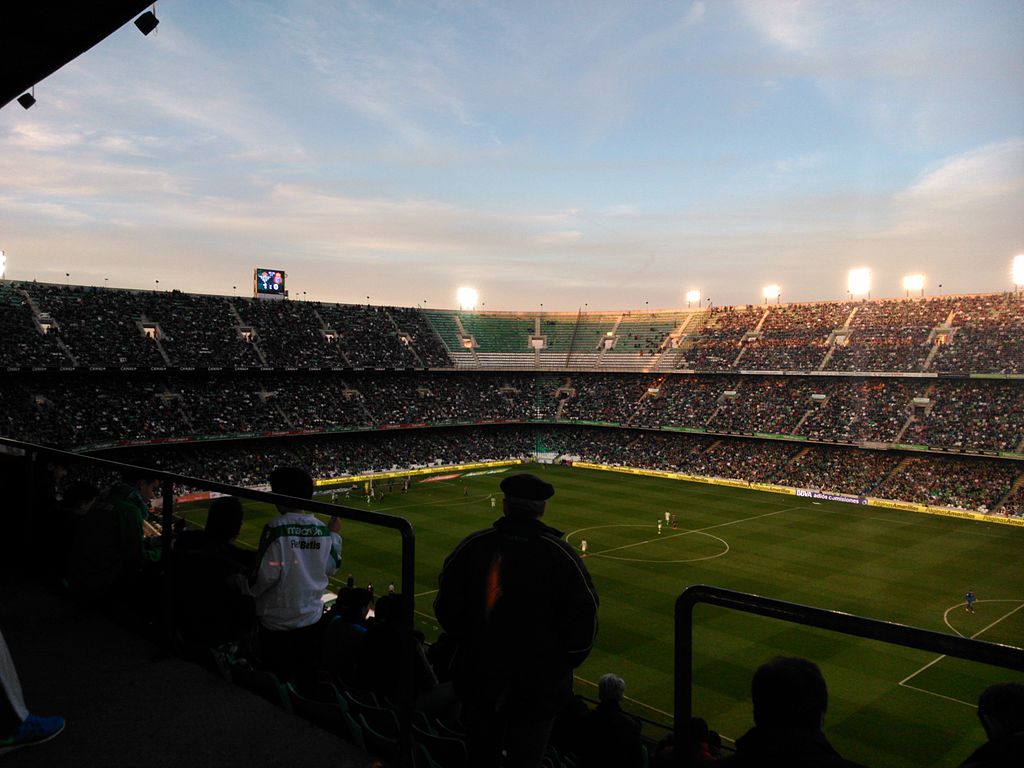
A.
x: 693, y: 530
x: 939, y: 695
x: 1005, y: 616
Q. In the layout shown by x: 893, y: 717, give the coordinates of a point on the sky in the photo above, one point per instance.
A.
x: 603, y: 155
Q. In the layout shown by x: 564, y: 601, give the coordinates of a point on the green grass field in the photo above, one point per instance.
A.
x: 889, y: 706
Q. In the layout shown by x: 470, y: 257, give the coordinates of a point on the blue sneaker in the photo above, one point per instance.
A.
x: 33, y: 730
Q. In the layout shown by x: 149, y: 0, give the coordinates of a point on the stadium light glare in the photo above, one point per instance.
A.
x: 859, y: 282
x: 467, y: 298
x: 1018, y: 270
x: 692, y: 297
x: 913, y: 283
x: 770, y: 292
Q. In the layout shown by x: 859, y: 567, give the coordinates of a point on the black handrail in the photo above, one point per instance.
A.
x: 836, y: 621
x: 400, y: 524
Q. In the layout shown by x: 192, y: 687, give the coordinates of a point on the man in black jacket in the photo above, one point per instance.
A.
x: 521, y: 607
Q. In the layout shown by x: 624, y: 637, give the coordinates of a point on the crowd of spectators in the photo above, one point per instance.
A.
x: 182, y: 335
x: 856, y: 410
x: 987, y: 336
x: 963, y: 415
x: 121, y: 328
x: 112, y: 327
x: 891, y: 335
x: 794, y: 337
x: 90, y: 408
x: 949, y: 482
x: 716, y: 346
x: 840, y: 470
x: 963, y: 482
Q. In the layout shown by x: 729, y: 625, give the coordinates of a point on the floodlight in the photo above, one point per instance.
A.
x: 1018, y: 269
x: 26, y: 100
x: 147, y: 22
x: 692, y: 297
x: 859, y: 281
x: 467, y: 297
x: 913, y: 283
x: 771, y: 292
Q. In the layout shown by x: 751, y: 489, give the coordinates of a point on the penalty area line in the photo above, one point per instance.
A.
x: 936, y: 660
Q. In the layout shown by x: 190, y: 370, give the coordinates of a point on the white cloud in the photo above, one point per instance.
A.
x: 990, y: 173
x: 795, y: 25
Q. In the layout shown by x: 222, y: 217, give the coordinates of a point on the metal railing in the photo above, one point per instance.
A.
x: 34, y: 453
x: 845, y: 623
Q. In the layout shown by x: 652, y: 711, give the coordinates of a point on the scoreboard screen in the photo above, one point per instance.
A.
x: 269, y: 282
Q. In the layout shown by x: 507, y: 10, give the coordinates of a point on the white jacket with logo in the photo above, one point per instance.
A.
x: 297, y: 554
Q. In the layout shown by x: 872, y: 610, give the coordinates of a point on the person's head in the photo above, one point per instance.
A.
x: 525, y: 495
x: 1001, y: 709
x: 791, y: 692
x: 610, y: 688
x: 147, y: 484
x: 224, y: 520
x: 291, y: 481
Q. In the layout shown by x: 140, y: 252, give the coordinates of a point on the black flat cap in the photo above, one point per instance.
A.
x: 527, y: 486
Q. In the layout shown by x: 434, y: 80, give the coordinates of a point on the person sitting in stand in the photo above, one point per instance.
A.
x: 113, y: 565
x: 209, y: 607
x: 790, y: 699
x: 606, y: 736
x: 1001, y: 712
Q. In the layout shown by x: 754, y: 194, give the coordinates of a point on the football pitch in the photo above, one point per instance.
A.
x: 889, y: 706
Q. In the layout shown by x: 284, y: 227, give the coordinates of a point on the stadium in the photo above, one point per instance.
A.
x: 891, y: 426
x: 727, y: 485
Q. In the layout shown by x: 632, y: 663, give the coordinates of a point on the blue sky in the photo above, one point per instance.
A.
x: 607, y: 154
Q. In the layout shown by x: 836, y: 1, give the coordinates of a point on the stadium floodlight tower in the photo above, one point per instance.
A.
x: 913, y: 283
x: 467, y: 298
x: 858, y: 282
x: 692, y: 297
x: 770, y: 292
x: 1017, y: 271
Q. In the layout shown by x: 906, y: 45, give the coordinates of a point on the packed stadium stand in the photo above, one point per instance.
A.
x: 908, y: 401
x: 840, y: 383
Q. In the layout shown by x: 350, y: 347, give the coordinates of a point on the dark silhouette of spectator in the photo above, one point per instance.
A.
x: 520, y: 605
x: 697, y: 746
x: 18, y: 727
x: 71, y: 509
x: 607, y: 736
x: 297, y: 554
x: 113, y: 564
x: 352, y: 601
x: 211, y: 606
x: 1001, y: 712
x: 378, y: 666
x: 790, y: 699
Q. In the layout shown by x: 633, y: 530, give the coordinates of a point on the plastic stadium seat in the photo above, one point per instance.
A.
x: 263, y: 683
x: 447, y: 751
x: 331, y: 715
x: 378, y: 744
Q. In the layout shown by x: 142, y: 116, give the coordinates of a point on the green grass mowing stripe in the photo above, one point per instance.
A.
x: 887, y: 564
